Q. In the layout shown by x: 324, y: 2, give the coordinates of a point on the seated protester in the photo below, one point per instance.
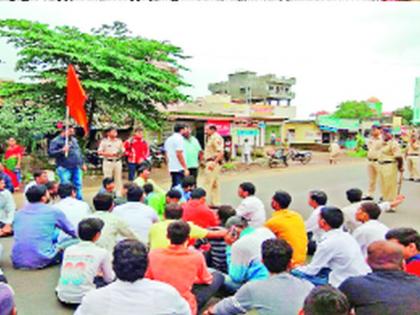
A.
x: 289, y: 226
x: 187, y: 185
x: 40, y: 177
x: 108, y: 187
x: 2, y: 277
x: 34, y: 229
x: 7, y: 180
x: 83, y: 263
x: 131, y: 293
x: 317, y: 200
x: 158, y: 232
x: 251, y: 207
x: 371, y: 229
x: 388, y: 290
x: 52, y: 187
x: 338, y: 252
x: 7, y: 209
x: 243, y: 253
x: 114, y: 227
x: 281, y: 291
x: 173, y: 196
x: 183, y: 268
x: 197, y: 211
x: 326, y: 300
x: 7, y: 300
x: 410, y: 240
x: 119, y: 200
x: 74, y: 209
x: 136, y: 214
x: 154, y: 199
x: 355, y: 197
x: 143, y: 177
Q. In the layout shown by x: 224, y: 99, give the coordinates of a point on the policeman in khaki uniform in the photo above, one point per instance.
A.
x: 374, y: 147
x: 111, y: 149
x: 390, y: 164
x: 213, y: 157
x: 412, y: 157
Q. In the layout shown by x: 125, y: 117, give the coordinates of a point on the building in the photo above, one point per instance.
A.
x: 246, y: 87
x: 300, y: 132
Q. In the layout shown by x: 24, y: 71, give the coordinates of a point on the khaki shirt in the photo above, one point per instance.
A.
x: 413, y: 147
x: 374, y: 148
x: 389, y: 151
x: 111, y: 146
x: 214, y: 146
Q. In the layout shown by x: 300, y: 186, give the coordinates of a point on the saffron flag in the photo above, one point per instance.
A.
x: 76, y: 98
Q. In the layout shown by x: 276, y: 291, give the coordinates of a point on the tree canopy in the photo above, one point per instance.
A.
x: 126, y: 77
x: 354, y: 110
x: 406, y: 113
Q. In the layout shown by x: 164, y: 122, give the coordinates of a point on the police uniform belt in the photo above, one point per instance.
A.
x: 386, y: 162
x: 373, y: 160
x: 413, y: 154
x: 113, y: 160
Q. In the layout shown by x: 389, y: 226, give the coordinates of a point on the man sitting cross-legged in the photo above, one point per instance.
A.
x: 281, y: 291
x: 326, y: 300
x: 184, y: 268
x: 131, y: 293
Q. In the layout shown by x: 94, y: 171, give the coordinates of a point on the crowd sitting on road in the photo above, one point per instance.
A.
x: 146, y: 250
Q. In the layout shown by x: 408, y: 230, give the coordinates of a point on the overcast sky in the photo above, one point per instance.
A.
x: 336, y: 51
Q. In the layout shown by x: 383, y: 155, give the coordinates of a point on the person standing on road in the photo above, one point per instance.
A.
x: 68, y: 158
x: 247, y: 152
x: 175, y: 155
x: 390, y: 164
x: 334, y: 152
x: 374, y: 147
x: 193, y: 152
x: 111, y: 149
x: 137, y: 151
x: 213, y: 157
x: 13, y: 160
x: 412, y: 158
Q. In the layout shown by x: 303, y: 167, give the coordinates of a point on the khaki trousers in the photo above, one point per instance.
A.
x: 114, y: 170
x: 388, y: 177
x: 211, y: 183
x: 373, y: 172
x: 412, y: 165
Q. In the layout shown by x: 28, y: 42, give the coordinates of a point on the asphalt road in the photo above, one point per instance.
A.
x: 35, y: 289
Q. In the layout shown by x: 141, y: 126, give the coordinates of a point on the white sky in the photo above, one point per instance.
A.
x: 337, y: 51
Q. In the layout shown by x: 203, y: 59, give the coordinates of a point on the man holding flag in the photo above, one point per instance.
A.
x: 65, y: 148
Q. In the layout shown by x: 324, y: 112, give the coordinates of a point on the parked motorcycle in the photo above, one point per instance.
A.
x: 277, y: 158
x: 303, y: 157
x: 157, y: 155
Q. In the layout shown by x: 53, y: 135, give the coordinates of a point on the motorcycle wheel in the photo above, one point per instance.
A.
x: 271, y: 164
x: 306, y: 159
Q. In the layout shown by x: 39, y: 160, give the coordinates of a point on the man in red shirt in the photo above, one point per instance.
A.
x: 184, y: 268
x: 137, y: 151
x: 197, y: 211
x: 410, y: 240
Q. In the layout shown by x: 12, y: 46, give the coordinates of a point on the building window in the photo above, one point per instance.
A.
x: 242, y: 90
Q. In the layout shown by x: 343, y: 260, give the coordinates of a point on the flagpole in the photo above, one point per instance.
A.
x: 66, y: 143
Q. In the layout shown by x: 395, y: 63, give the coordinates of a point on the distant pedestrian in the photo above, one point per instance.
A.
x: 273, y: 138
x: 137, y: 151
x: 69, y: 159
x: 193, y: 152
x: 111, y: 149
x: 175, y: 155
x: 247, y: 152
x: 335, y: 151
x: 13, y: 160
x: 412, y: 158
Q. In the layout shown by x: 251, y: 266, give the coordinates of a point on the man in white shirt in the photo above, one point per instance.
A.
x: 40, y: 178
x: 74, y: 209
x: 371, y: 229
x: 247, y: 152
x: 84, y: 264
x: 338, y: 252
x: 7, y: 209
x: 175, y: 155
x: 136, y: 214
x: 251, y: 207
x: 317, y: 200
x: 131, y: 293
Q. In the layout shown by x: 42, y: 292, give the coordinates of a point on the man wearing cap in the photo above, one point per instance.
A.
x: 68, y: 159
x: 374, y: 146
x: 390, y: 164
x: 412, y: 158
x: 213, y: 157
x: 111, y: 149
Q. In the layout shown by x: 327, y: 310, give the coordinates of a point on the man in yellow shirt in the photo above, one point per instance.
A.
x: 173, y: 212
x: 289, y: 226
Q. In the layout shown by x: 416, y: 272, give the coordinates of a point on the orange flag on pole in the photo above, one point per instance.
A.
x: 76, y: 98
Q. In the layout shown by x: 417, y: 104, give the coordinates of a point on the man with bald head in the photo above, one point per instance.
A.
x: 388, y: 290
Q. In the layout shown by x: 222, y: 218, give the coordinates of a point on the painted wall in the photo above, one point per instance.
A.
x: 304, y: 132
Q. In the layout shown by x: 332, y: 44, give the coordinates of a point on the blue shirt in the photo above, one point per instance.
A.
x: 185, y: 195
x: 35, y: 232
x: 74, y: 157
x: 7, y: 182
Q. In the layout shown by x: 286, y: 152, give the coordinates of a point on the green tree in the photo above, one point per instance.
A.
x: 126, y: 77
x: 406, y: 113
x: 354, y: 110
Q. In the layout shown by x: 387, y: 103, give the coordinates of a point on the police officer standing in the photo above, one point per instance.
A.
x: 374, y: 146
x: 213, y: 157
x: 412, y: 157
x: 111, y: 149
x: 390, y: 164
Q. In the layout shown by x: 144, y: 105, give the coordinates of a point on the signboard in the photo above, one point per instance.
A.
x: 333, y: 123
x: 416, y: 107
x: 223, y: 127
x: 262, y: 110
x: 247, y: 132
x: 396, y: 124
